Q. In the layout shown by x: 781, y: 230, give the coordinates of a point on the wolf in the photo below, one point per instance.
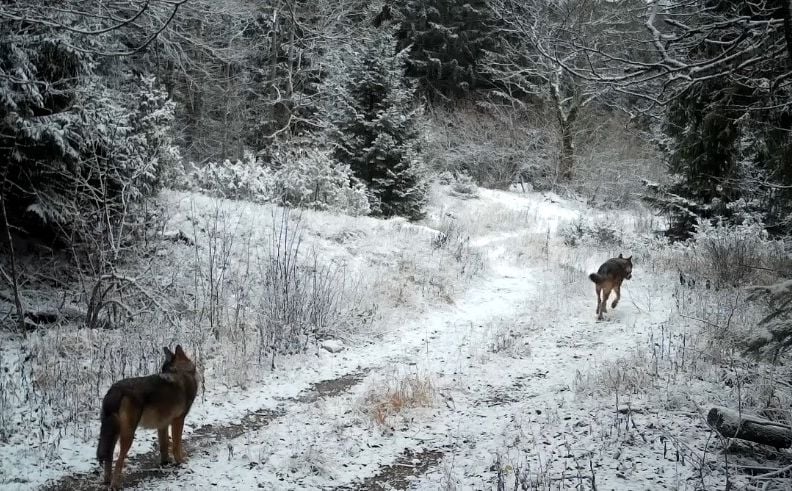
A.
x: 156, y: 401
x: 609, y: 277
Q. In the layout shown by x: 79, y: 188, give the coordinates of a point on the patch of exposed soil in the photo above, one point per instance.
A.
x: 408, y: 466
x: 331, y: 388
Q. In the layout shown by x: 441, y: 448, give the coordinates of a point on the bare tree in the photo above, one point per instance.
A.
x: 245, y: 73
x: 545, y: 49
x: 141, y: 20
x: 691, y: 41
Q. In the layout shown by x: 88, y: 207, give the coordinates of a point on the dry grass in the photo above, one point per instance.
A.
x: 386, y: 399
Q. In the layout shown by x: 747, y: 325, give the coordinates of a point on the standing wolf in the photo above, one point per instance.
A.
x: 609, y: 277
x: 156, y: 401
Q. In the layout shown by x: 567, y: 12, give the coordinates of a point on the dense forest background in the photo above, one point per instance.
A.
x: 355, y: 107
x: 104, y: 104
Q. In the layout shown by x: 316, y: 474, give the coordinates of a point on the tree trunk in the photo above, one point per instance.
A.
x: 14, y: 279
x: 566, y: 165
x: 731, y: 424
x: 226, y: 112
x: 786, y: 9
x: 566, y: 124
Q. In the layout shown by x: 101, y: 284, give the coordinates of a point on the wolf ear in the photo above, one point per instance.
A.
x: 168, y: 352
x: 179, y: 350
x: 620, y: 256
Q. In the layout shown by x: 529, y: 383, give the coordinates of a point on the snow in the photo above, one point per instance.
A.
x: 524, y: 379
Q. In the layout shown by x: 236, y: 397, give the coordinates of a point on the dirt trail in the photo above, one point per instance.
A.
x: 142, y: 467
x: 409, y: 465
x: 451, y: 344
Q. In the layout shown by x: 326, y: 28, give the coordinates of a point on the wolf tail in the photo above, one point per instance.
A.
x: 110, y: 428
x: 596, y: 278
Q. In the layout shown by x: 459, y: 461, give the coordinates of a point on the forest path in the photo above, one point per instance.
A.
x: 508, y: 350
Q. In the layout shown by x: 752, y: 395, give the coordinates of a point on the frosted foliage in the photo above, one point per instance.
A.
x: 307, y: 179
x: 76, y: 147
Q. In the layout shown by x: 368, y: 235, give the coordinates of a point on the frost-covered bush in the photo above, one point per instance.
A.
x: 464, y: 186
x: 313, y: 179
x: 732, y: 254
x: 246, y: 179
x: 306, y: 179
x: 599, y: 233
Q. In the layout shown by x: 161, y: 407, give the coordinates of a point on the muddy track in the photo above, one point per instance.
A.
x: 408, y: 466
x: 143, y: 467
x: 332, y: 387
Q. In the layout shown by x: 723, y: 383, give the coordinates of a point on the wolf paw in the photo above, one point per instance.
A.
x: 614, y: 304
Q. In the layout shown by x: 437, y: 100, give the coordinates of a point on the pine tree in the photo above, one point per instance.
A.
x: 374, y: 125
x: 728, y: 143
x: 702, y: 155
x: 75, y: 154
x: 447, y: 40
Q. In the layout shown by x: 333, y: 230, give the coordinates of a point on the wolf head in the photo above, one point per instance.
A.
x: 627, y: 262
x: 177, y: 361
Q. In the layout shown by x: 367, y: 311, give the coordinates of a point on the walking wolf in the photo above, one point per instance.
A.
x: 609, y: 277
x: 156, y: 401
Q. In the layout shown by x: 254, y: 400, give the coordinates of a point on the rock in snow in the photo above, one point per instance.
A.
x: 332, y: 345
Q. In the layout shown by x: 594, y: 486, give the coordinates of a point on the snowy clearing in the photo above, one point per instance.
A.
x: 463, y: 379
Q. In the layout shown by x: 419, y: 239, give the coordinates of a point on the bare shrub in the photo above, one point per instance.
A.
x: 453, y: 242
x: 612, y: 157
x: 300, y: 297
x: 521, y: 466
x: 214, y: 241
x: 489, y: 144
x: 508, y: 337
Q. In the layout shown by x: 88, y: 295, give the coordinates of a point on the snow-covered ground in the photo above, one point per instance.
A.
x: 518, y: 380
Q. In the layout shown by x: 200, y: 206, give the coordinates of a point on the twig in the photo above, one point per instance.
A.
x: 632, y: 420
x: 14, y: 281
x: 772, y: 474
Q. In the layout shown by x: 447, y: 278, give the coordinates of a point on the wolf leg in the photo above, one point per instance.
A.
x: 606, y: 290
x: 108, y: 470
x: 128, y: 425
x: 177, y: 426
x: 162, y: 436
x: 108, y: 463
x: 598, y: 289
x: 617, y: 289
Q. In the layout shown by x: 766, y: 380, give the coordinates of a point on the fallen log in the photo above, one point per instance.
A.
x: 733, y: 424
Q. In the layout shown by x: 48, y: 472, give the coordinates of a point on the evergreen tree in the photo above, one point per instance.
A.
x: 447, y: 41
x: 75, y: 154
x: 726, y: 161
x: 374, y: 124
x: 727, y: 127
x: 702, y: 157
